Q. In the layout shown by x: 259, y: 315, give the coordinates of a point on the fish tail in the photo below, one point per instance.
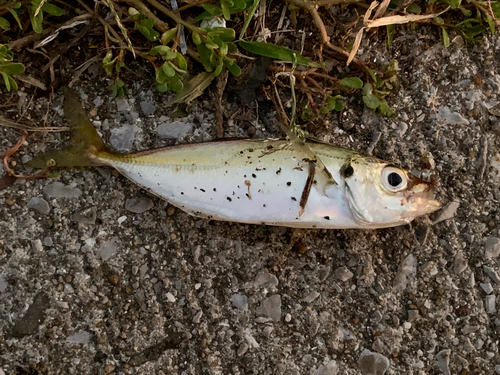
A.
x: 86, y: 143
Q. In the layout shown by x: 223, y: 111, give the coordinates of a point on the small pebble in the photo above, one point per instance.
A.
x: 242, y: 349
x: 114, y: 279
x: 486, y: 287
x: 121, y: 219
x: 174, y: 129
x: 489, y: 304
x: 197, y: 317
x: 448, y: 212
x: 86, y: 216
x: 271, y: 307
x: 170, y: 297
x: 492, y: 274
x: 451, y: 118
x: 108, y: 249
x: 240, y: 301
x: 47, y: 241
x: 310, y: 297
x: 59, y: 190
x: 343, y: 273
x: 40, y: 205
x: 408, y: 267
x: 492, y: 248
x: 81, y: 337
x: 266, y: 279
x: 443, y: 361
x: 138, y: 205
x: 371, y: 363
x: 122, y: 138
x: 331, y: 368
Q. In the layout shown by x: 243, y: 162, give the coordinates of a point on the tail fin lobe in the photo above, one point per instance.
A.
x: 85, y: 142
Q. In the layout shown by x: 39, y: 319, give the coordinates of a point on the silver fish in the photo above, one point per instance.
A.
x: 271, y: 182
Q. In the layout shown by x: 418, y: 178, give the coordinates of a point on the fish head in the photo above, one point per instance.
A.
x: 382, y: 195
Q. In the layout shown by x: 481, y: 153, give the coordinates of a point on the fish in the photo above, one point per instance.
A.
x: 268, y: 181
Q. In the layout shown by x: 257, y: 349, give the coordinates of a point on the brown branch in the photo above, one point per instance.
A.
x: 16, y: 45
x: 159, y: 24
x: 322, y: 3
x: 103, y: 22
x: 174, y: 17
x: 190, y: 5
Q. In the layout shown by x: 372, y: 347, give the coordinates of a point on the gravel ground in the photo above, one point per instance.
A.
x: 98, y: 277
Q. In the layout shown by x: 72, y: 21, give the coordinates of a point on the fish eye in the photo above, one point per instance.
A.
x: 394, y: 179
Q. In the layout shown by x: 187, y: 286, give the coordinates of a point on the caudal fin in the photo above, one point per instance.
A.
x: 85, y: 142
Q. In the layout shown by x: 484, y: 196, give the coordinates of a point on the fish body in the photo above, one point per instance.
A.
x: 273, y: 182
x: 264, y: 182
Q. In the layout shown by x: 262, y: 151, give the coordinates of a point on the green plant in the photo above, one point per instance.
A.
x: 36, y: 10
x: 168, y: 74
x: 14, y: 8
x: 9, y: 68
x: 112, y: 67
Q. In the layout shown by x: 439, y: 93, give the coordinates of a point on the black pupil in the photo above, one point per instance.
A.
x: 394, y: 179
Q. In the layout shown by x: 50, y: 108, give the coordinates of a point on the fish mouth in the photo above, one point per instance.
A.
x: 421, y: 195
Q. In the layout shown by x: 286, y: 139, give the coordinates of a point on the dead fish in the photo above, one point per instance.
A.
x: 270, y: 182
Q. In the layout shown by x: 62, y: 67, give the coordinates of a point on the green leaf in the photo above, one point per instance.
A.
x: 372, y: 74
x: 338, y: 106
x: 145, y: 27
x: 390, y: 34
x: 108, y: 63
x: 224, y: 33
x: 385, y: 110
x: 196, y: 38
x: 371, y: 101
x: 181, y: 62
x: 119, y: 88
x: 162, y: 87
x: 168, y: 35
x: 6, y: 80
x: 206, y: 57
x: 193, y: 88
x: 16, y: 16
x: 277, y: 52
x: 225, y: 10
x: 167, y: 69
x: 12, y: 68
x: 454, y: 4
x: 206, y: 16
x: 175, y: 83
x: 446, y: 38
x: 465, y: 12
x: 52, y: 9
x: 162, y: 50
x: 414, y: 8
x: 352, y: 82
x: 119, y: 65
x: 36, y: 22
x: 367, y: 89
x: 234, y: 69
x: 439, y: 20
x: 214, y: 10
x: 4, y: 24
x: 219, y: 67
